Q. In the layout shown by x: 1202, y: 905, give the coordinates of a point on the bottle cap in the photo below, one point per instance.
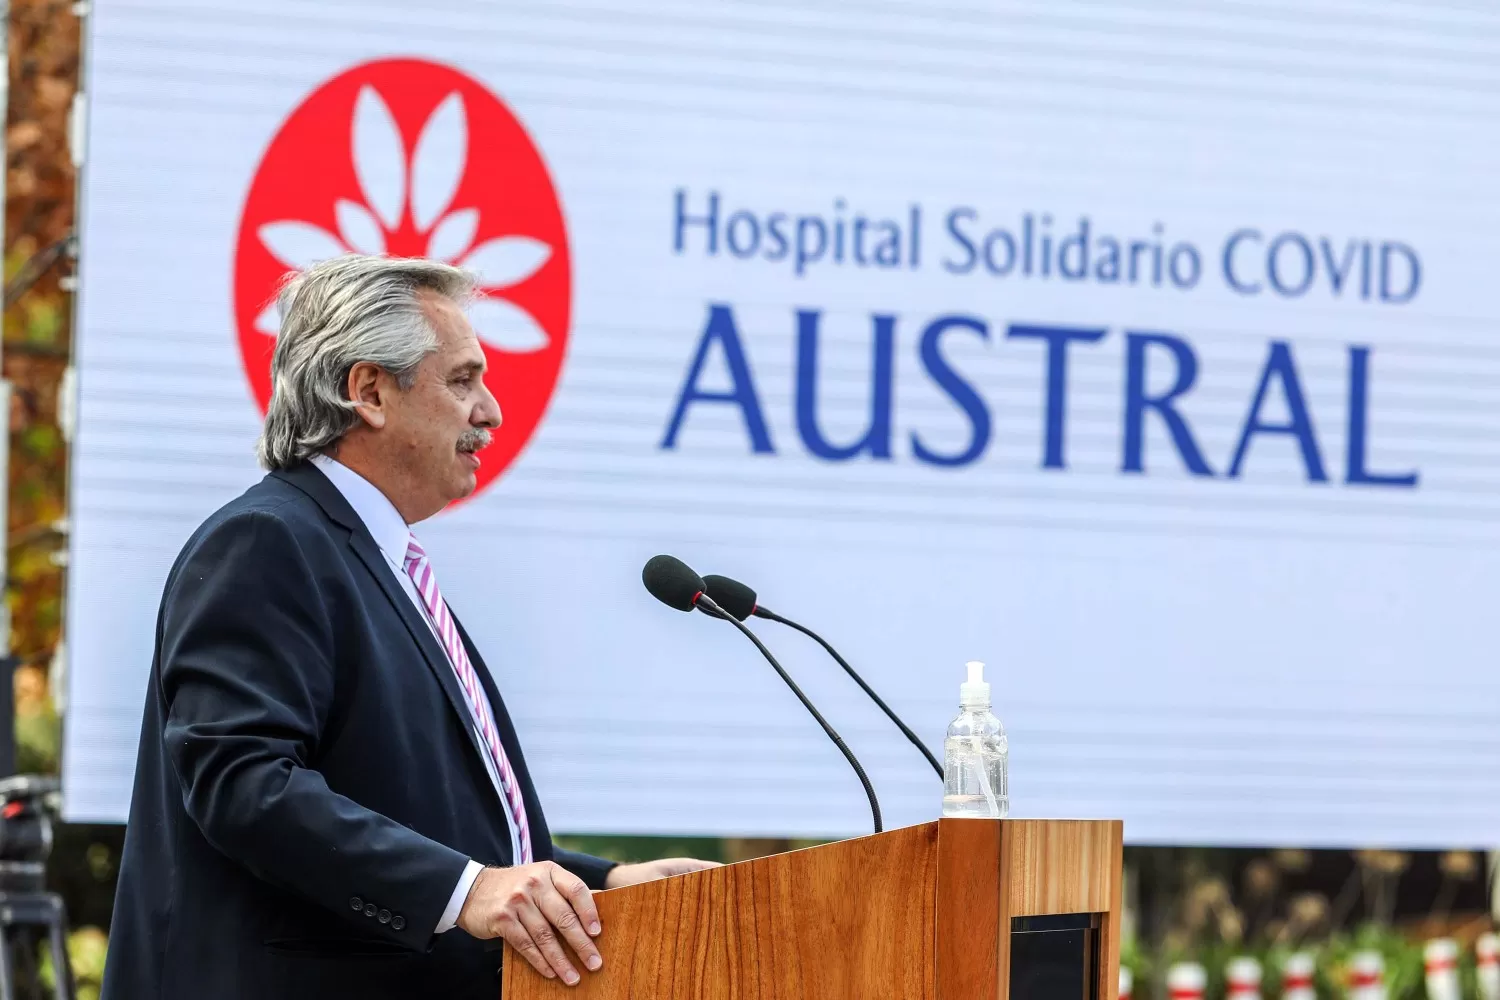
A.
x: 974, y: 693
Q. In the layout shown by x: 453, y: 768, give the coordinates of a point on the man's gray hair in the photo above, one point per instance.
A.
x: 334, y: 315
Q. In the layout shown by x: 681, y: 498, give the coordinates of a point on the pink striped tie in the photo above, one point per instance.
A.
x: 420, y: 571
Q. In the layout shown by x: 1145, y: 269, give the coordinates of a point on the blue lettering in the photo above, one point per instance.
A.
x: 709, y: 222
x: 1309, y: 269
x: 1188, y: 252
x: 958, y: 390
x: 1414, y: 273
x: 1078, y: 241
x: 877, y: 437
x: 1057, y: 338
x: 809, y: 250
x: 1229, y: 273
x: 916, y: 236
x: 775, y: 230
x: 721, y: 330
x: 993, y: 237
x: 962, y: 240
x: 1338, y: 270
x: 1299, y: 424
x: 1356, y: 470
x: 860, y: 224
x: 751, y: 242
x: 1137, y: 402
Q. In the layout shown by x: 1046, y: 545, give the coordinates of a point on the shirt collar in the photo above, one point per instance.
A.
x: 384, y: 521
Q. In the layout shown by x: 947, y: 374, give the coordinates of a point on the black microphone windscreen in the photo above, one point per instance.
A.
x: 673, y: 582
x: 731, y: 595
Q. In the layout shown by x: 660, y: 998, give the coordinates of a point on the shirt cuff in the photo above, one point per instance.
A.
x: 459, y: 897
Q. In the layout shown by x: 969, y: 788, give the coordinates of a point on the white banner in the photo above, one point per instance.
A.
x: 1145, y: 353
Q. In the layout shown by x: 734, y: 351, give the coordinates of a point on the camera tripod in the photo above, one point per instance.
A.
x: 27, y: 909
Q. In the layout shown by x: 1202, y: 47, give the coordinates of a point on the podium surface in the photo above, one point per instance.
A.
x: 956, y: 909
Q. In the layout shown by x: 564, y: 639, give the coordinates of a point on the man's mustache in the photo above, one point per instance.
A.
x: 474, y: 439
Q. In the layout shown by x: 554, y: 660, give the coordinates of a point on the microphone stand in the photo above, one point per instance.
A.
x: 915, y: 741
x: 707, y: 606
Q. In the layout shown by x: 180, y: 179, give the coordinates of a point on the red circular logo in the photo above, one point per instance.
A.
x: 415, y: 159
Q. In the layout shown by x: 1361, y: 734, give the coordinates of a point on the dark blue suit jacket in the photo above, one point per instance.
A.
x: 308, y: 789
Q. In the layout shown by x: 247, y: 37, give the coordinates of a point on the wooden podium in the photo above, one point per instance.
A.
x: 958, y: 909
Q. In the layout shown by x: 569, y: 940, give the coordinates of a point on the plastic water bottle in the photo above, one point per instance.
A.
x: 975, y: 755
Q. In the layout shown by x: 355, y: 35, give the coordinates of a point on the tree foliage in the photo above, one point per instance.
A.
x: 39, y: 189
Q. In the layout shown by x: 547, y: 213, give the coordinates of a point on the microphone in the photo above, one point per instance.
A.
x: 736, y: 599
x: 673, y: 582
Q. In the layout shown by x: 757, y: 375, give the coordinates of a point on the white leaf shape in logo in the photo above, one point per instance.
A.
x: 268, y: 322
x: 453, y: 235
x: 437, y: 166
x: 359, y: 228
x: 507, y: 261
x: 379, y: 157
x: 506, y: 326
x: 299, y: 244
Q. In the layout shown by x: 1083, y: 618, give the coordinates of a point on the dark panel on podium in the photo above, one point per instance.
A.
x: 1054, y: 957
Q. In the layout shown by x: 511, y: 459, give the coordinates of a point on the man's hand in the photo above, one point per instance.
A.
x: 532, y: 907
x: 646, y: 871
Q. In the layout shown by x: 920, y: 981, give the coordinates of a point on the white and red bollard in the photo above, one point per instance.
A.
x: 1297, y: 974
x: 1127, y: 983
x: 1186, y: 981
x: 1366, y: 976
x: 1242, y: 979
x: 1440, y: 960
x: 1487, y: 966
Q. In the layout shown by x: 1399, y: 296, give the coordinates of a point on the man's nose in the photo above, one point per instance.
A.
x: 487, y: 413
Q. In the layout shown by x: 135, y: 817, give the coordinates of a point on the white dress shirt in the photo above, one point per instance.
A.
x: 390, y: 531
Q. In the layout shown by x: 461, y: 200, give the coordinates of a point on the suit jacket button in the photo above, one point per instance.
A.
x: 398, y: 922
x: 355, y: 903
x: 384, y: 916
x: 369, y: 909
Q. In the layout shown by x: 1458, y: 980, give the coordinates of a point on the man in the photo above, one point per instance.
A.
x: 329, y: 797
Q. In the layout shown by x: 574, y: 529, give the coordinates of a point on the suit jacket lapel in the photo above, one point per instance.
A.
x: 316, y: 485
x: 437, y: 658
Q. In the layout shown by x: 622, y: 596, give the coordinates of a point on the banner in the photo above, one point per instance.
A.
x: 1146, y: 354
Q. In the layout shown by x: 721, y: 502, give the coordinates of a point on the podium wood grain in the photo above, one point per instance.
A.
x: 922, y: 912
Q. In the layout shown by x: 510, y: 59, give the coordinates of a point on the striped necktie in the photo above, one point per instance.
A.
x: 420, y: 571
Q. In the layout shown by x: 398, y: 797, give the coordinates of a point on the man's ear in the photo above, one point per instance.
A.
x: 369, y: 388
